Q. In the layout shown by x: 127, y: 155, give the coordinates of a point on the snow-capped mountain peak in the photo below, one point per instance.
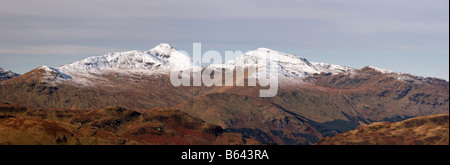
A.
x: 162, y: 49
x: 162, y: 58
x: 46, y: 68
x: 278, y: 55
x: 49, y: 74
x: 7, y: 74
x: 288, y: 65
x: 173, y: 57
x: 159, y: 60
x: 265, y: 50
x: 385, y: 71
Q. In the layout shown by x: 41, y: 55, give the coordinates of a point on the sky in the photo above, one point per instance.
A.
x: 410, y: 36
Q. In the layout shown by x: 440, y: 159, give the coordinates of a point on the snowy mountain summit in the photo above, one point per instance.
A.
x: 7, y: 74
x: 164, y: 58
x: 287, y: 65
x: 159, y: 59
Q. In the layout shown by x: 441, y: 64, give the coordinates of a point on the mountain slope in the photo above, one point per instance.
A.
x: 303, y: 113
x: 135, y: 91
x: 429, y: 130
x: 111, y: 125
x: 7, y: 74
x: 314, y: 100
x: 121, y: 79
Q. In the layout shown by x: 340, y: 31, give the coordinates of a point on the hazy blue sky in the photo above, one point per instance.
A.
x: 409, y: 36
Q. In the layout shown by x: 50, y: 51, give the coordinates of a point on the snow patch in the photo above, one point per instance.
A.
x: 385, y: 71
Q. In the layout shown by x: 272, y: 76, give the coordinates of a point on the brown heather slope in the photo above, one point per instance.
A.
x: 35, y: 131
x: 111, y: 125
x: 301, y: 112
x: 428, y: 130
x: 264, y: 121
x: 134, y: 91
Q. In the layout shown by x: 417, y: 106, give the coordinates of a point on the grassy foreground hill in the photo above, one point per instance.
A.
x: 109, y: 126
x: 428, y: 130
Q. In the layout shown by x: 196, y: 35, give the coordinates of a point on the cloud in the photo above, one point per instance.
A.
x: 97, y: 26
x: 382, y: 26
x: 56, y: 50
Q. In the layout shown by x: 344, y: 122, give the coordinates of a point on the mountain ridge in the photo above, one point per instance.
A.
x: 307, y: 107
x: 7, y: 74
x: 163, y: 58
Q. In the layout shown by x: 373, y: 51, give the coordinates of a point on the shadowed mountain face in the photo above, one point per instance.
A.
x: 314, y: 100
x: 111, y: 125
x: 7, y: 74
x: 429, y: 130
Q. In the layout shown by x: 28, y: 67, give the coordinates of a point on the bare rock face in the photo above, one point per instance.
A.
x: 429, y: 130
